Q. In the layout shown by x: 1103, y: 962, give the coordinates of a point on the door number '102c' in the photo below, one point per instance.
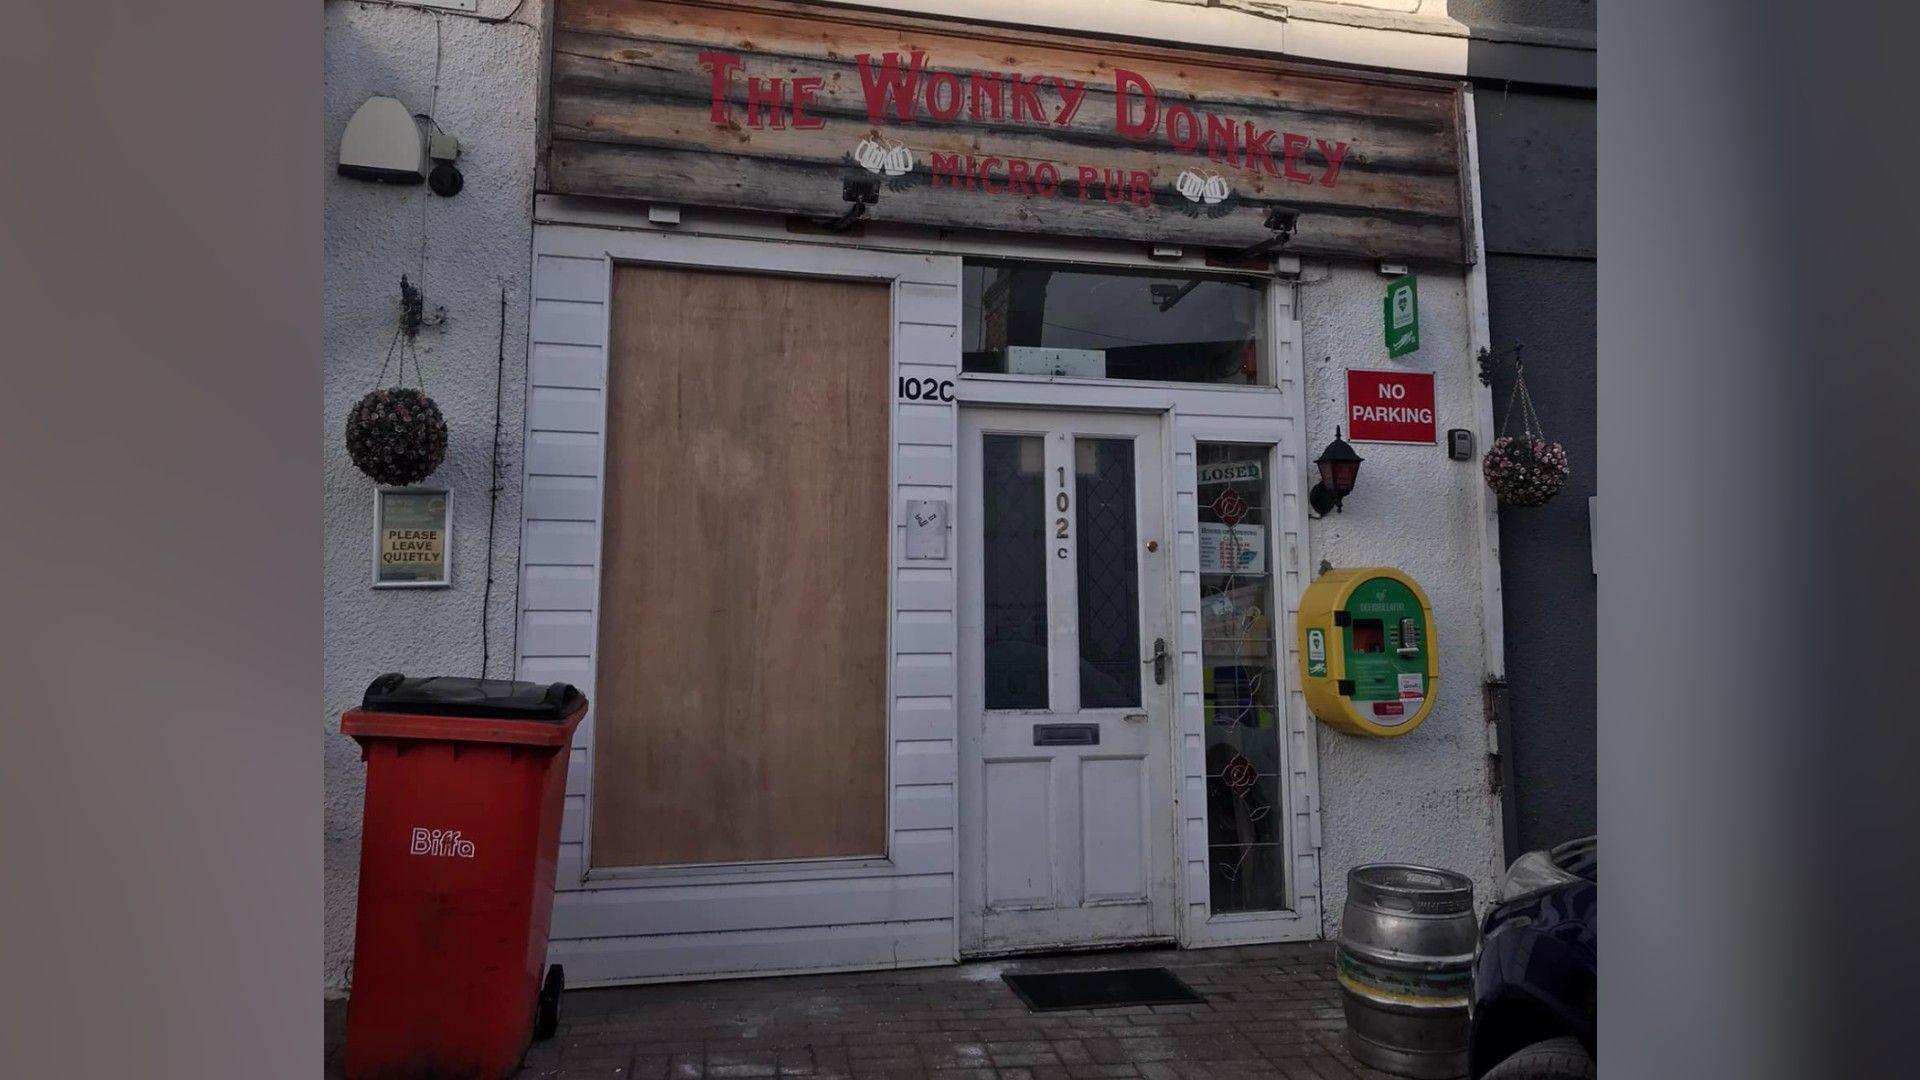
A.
x: 912, y: 389
x: 1061, y: 503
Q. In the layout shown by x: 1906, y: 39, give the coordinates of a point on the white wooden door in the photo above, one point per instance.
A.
x: 1066, y: 816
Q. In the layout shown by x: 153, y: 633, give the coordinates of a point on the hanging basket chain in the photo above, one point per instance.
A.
x: 404, y: 344
x: 396, y: 434
x: 1530, y: 426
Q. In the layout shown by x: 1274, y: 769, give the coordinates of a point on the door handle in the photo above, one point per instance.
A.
x: 1159, y: 661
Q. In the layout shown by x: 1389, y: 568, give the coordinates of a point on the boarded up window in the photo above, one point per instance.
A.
x: 741, y: 679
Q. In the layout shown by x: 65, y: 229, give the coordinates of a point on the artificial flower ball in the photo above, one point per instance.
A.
x: 397, y: 436
x: 1526, y: 471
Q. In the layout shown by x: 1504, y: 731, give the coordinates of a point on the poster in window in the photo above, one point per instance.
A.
x: 413, y: 530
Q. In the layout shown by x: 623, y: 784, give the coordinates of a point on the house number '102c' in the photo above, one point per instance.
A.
x: 1061, y: 502
x: 912, y: 389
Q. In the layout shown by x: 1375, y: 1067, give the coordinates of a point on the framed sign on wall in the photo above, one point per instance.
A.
x: 412, y: 538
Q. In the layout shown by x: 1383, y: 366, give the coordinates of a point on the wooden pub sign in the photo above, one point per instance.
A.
x: 758, y: 105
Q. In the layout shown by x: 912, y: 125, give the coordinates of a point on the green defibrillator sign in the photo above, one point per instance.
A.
x: 1317, y: 653
x: 1402, y: 316
x: 1366, y: 638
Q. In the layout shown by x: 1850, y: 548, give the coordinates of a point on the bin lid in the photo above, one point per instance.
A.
x: 481, y: 699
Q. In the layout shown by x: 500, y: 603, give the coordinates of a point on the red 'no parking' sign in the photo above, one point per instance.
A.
x: 1390, y: 406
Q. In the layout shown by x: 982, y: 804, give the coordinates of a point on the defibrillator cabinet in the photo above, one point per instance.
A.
x: 1368, y: 663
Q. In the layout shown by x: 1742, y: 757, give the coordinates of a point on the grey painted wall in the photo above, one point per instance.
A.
x: 1557, y: 14
x: 1537, y: 191
x: 1546, y: 561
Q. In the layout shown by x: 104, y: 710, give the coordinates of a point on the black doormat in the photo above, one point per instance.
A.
x: 1045, y: 992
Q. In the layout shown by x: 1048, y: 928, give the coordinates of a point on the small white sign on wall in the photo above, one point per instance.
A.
x: 926, y: 528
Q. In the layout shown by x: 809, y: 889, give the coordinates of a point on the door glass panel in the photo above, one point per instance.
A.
x: 1032, y: 318
x: 1240, y: 685
x: 1013, y: 522
x: 1109, y: 574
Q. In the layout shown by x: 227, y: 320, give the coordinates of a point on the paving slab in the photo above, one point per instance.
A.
x: 1271, y: 1011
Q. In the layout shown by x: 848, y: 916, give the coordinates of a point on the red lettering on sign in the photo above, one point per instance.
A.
x: 1259, y: 157
x: 1178, y: 117
x: 1334, y: 157
x: 723, y: 66
x: 890, y: 85
x: 1026, y: 98
x: 1123, y: 121
x: 947, y: 167
x: 1072, y: 93
x: 901, y: 89
x: 1390, y: 406
x: 1291, y: 147
x: 949, y: 83
x: 1223, y: 140
x: 803, y: 90
x: 768, y: 94
x: 988, y: 81
x: 986, y: 178
x: 1017, y: 177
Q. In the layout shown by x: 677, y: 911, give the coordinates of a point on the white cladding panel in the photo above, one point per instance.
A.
x: 642, y: 925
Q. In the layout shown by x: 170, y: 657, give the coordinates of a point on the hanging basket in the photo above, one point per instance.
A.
x: 1525, y: 468
x: 1525, y: 471
x: 397, y: 435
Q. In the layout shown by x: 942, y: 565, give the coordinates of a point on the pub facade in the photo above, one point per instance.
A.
x: 917, y: 475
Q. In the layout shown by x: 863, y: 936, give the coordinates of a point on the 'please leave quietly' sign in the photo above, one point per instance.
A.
x: 1390, y: 406
x: 770, y: 106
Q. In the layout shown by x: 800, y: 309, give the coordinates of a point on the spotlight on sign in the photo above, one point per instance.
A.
x: 1339, y: 468
x: 1280, y: 221
x: 859, y: 193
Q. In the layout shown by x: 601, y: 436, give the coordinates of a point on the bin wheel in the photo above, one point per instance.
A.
x: 546, y: 1018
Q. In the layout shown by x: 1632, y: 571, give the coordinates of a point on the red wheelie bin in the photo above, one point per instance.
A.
x: 466, y: 779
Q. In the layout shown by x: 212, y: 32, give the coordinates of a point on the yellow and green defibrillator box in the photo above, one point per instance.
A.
x: 1367, y: 651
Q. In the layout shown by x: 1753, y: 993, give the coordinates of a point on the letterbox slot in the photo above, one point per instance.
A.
x: 1066, y: 734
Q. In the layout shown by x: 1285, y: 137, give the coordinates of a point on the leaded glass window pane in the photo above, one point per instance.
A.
x: 1109, y: 574
x: 1240, y: 681
x: 1013, y: 528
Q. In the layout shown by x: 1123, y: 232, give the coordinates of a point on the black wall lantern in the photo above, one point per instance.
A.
x: 1339, y: 466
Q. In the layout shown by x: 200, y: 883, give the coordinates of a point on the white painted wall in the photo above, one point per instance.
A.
x: 477, y: 241
x: 1421, y: 797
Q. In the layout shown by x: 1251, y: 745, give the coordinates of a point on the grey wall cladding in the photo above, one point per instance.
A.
x: 1537, y: 193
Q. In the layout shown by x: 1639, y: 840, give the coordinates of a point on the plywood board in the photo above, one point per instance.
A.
x: 742, y: 654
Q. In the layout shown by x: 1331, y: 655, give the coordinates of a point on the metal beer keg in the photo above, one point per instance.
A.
x: 1405, y: 965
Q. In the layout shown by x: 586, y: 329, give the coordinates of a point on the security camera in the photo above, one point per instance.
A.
x: 445, y: 180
